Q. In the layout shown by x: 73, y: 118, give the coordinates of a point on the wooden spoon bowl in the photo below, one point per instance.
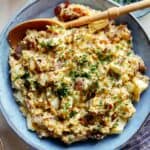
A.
x: 19, y: 31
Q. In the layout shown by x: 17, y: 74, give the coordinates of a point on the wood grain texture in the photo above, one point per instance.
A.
x: 111, y: 13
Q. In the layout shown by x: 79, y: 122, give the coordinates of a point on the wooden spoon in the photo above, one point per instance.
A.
x: 17, y: 33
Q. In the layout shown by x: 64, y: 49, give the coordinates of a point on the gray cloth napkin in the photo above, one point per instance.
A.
x: 141, y: 140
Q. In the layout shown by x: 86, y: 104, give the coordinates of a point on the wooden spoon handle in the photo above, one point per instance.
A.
x: 133, y: 7
x: 110, y: 13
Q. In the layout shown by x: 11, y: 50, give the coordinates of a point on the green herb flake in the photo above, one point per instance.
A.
x: 100, y: 103
x: 48, y: 43
x: 75, y: 74
x: 66, y: 106
x: 112, y: 78
x: 119, y: 102
x: 72, y: 114
x: 83, y: 60
x: 26, y: 75
x: 93, y: 68
x: 62, y: 91
x: 115, y: 125
x: 18, y: 77
x: 117, y: 47
x: 129, y: 53
x: 85, y: 74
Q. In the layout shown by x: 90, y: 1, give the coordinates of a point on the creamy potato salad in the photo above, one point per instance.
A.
x: 79, y: 83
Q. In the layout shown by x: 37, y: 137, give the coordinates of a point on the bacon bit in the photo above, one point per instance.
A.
x: 57, y: 10
x: 74, y: 13
x: 31, y: 44
x: 37, y: 69
x: 106, y: 30
x: 88, y: 119
x: 17, y: 53
x: 110, y: 106
x: 79, y: 11
x: 82, y: 121
x: 66, y: 3
x: 18, y: 49
x: 51, y: 133
x: 67, y: 17
x: 114, y: 116
x: 142, y: 67
x: 113, y: 74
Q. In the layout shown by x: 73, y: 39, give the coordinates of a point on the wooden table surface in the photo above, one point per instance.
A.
x: 7, y: 136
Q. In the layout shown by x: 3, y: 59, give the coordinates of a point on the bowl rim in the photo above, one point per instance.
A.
x: 9, y: 122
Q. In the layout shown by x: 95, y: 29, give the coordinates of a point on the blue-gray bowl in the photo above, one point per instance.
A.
x: 10, y: 110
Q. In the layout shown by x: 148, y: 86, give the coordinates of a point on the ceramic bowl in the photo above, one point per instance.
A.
x: 10, y: 110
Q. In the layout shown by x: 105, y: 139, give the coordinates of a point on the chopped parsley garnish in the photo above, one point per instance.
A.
x: 115, y: 125
x: 85, y: 75
x: 129, y: 42
x: 129, y: 53
x: 78, y: 37
x: 26, y: 75
x: 102, y: 57
x: 72, y: 114
x: 27, y: 84
x: 25, y: 78
x: 119, y: 102
x: 66, y: 106
x: 94, y: 67
x: 49, y: 43
x: 100, y: 103
x: 75, y: 74
x: 37, y: 86
x: 63, y: 90
x: 83, y: 60
x: 112, y: 78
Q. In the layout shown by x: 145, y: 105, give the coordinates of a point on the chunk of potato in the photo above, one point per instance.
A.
x: 118, y: 126
x: 140, y: 86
